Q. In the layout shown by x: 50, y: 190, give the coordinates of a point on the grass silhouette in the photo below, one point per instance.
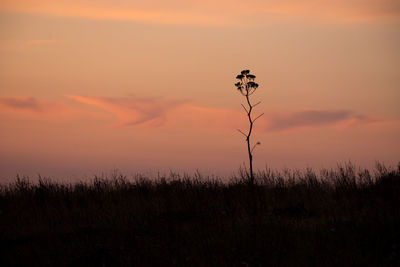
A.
x: 337, y: 217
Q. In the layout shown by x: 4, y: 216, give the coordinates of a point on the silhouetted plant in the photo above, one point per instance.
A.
x: 247, y: 86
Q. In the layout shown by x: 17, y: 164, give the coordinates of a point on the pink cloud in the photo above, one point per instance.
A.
x: 221, y: 12
x: 156, y: 112
x: 30, y: 104
x: 123, y: 11
x: 130, y: 111
x: 133, y: 111
x: 15, y: 44
x: 314, y: 118
x: 31, y: 107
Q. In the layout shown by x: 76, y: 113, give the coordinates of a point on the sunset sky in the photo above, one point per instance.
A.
x: 87, y: 87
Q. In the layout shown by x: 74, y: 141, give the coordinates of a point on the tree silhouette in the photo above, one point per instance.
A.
x: 247, y: 86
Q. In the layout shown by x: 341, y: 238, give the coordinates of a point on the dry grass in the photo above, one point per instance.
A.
x: 290, y: 218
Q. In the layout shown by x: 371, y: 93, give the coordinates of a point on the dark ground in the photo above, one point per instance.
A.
x: 342, y: 217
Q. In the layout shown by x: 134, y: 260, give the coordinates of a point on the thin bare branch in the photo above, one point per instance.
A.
x: 252, y: 90
x: 258, y: 117
x: 242, y: 132
x: 253, y: 148
x: 245, y: 108
x: 256, y: 104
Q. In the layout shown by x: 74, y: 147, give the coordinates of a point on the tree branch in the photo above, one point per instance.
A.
x: 252, y: 90
x: 242, y: 133
x: 255, y: 146
x: 258, y: 117
x: 244, y: 108
x: 256, y: 104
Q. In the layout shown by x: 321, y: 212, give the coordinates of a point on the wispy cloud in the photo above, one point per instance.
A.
x: 31, y: 107
x: 131, y: 110
x: 156, y: 112
x: 119, y: 10
x: 314, y: 118
x: 135, y: 111
x: 26, y: 44
x: 337, y: 11
x: 29, y: 104
x: 220, y: 12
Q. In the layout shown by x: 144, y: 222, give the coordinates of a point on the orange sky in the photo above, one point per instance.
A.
x: 90, y: 86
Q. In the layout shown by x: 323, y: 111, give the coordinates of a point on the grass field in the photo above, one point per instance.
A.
x: 341, y: 217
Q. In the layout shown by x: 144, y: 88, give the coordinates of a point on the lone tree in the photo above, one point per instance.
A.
x: 247, y: 86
